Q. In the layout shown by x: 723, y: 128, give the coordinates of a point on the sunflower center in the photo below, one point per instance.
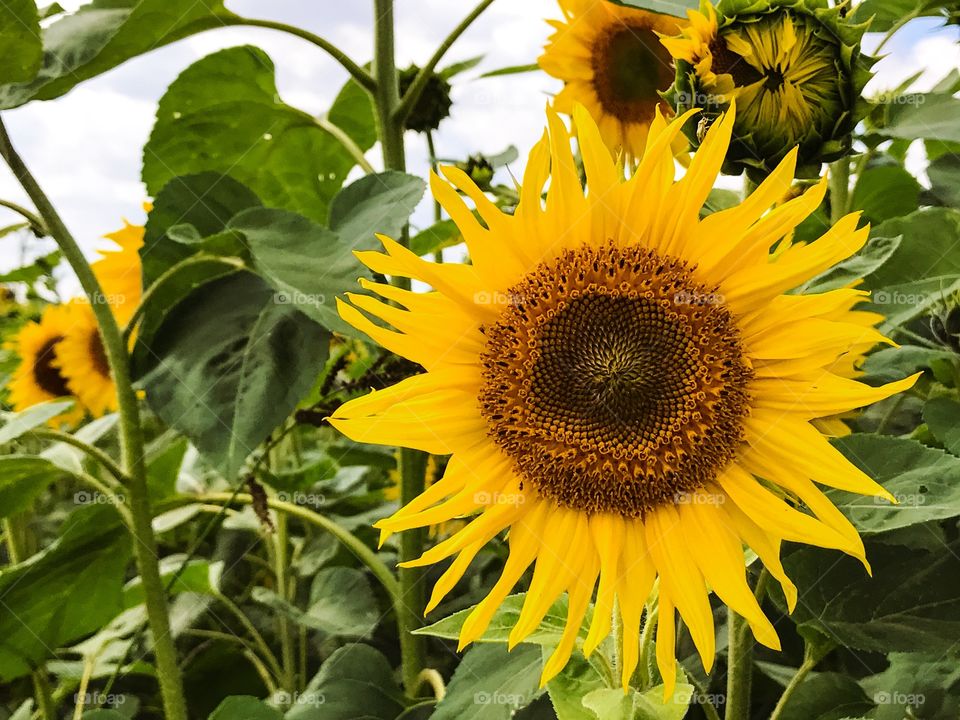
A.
x: 630, y: 67
x: 46, y: 375
x: 98, y: 354
x: 615, y: 381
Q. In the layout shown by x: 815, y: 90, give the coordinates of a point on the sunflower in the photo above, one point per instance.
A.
x: 82, y: 361
x: 120, y: 272
x: 37, y: 378
x: 611, y: 61
x: 626, y: 388
x: 795, y: 69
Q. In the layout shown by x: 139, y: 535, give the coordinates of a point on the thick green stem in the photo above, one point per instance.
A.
x: 412, y: 594
x: 839, y: 189
x: 739, y: 668
x: 43, y: 694
x: 131, y: 437
x: 281, y: 561
x: 357, y: 72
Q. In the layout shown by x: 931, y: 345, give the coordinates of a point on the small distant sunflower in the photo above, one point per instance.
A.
x: 37, y: 378
x: 120, y: 272
x: 612, y: 62
x: 793, y: 66
x: 626, y: 388
x: 82, y: 361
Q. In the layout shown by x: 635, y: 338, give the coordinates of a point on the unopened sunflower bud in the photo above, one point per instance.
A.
x: 794, y: 68
x: 432, y: 106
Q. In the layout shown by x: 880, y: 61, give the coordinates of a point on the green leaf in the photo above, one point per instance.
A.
x: 896, y: 363
x: 884, y: 14
x: 460, y: 67
x: 41, y: 267
x: 86, y: 565
x: 942, y: 416
x: 244, y: 707
x: 355, y: 682
x: 16, y: 424
x: 379, y: 203
x: 926, y: 684
x: 205, y: 201
x: 229, y: 364
x: 223, y: 114
x: 341, y: 603
x: 923, y: 115
x: 925, y: 481
x: 886, y: 192
x: 440, y: 235
x: 925, y: 250
x: 105, y: 33
x: 199, y: 576
x: 23, y: 478
x: 71, y: 458
x: 352, y: 112
x: 491, y: 683
x: 614, y: 704
x: 677, y: 8
x: 571, y: 685
x: 20, y: 40
x: 511, y: 70
x: 944, y: 174
x: 877, y: 251
x: 911, y: 604
x: 826, y: 695
x: 548, y: 633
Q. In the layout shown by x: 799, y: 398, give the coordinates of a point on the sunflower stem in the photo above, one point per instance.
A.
x: 839, y: 190
x: 419, y: 83
x: 411, y: 593
x: 43, y: 694
x: 810, y: 660
x: 36, y: 224
x: 131, y: 437
x: 739, y: 668
x: 94, y: 453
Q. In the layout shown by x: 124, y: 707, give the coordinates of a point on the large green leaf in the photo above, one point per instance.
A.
x: 311, y: 265
x: 929, y: 685
x: 205, y: 201
x: 229, y: 364
x: 70, y: 589
x: 886, y: 192
x: 911, y: 604
x: 925, y: 481
x: 105, y: 33
x: 352, y: 112
x: 923, y: 115
x: 490, y: 683
x: 677, y: 8
x: 223, y: 114
x: 355, y: 682
x: 942, y: 416
x: 508, y: 613
x: 827, y: 695
x: 884, y: 14
x: 16, y: 424
x: 244, y: 707
x: 23, y: 478
x: 944, y: 174
x: 20, y: 40
x: 875, y: 254
x: 568, y: 688
x: 925, y: 250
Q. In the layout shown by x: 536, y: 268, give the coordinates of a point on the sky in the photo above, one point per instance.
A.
x: 85, y: 147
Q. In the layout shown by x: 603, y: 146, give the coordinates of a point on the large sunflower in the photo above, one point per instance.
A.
x: 82, y: 361
x: 626, y: 388
x: 120, y: 272
x: 37, y: 378
x: 612, y: 62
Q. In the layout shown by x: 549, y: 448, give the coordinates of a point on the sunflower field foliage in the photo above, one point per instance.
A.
x: 657, y: 417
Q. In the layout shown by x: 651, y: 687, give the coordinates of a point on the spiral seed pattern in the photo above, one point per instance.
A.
x: 615, y: 381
